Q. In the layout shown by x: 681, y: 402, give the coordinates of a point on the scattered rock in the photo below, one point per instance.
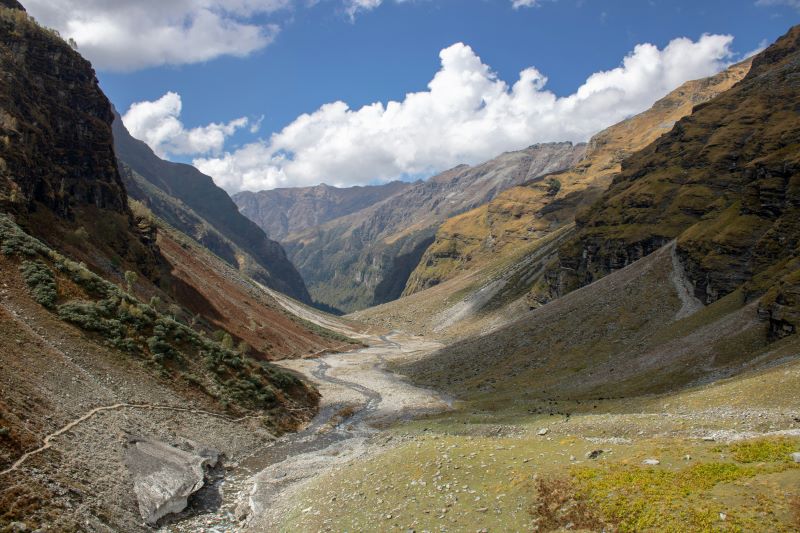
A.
x: 165, y: 476
x: 594, y: 454
x: 542, y: 432
x: 651, y: 462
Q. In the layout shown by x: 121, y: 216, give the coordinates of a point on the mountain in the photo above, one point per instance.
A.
x: 115, y: 327
x: 684, y: 270
x: 365, y: 258
x: 206, y: 212
x: 283, y: 212
x: 724, y: 183
x: 51, y: 140
x: 521, y: 215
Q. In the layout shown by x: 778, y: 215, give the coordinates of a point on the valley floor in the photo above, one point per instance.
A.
x: 384, y: 455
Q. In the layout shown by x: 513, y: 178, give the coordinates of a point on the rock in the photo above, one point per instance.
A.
x: 594, y: 454
x: 723, y: 516
x: 542, y: 432
x: 164, y: 476
x: 18, y: 527
x: 796, y: 457
x: 651, y: 462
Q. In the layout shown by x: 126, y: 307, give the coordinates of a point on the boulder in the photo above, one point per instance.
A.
x: 796, y: 457
x: 165, y: 476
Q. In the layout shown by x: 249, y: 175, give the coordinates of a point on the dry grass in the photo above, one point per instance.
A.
x: 558, y: 505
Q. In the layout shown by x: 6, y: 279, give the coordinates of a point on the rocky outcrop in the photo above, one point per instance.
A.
x: 190, y: 201
x: 725, y: 181
x: 283, y: 212
x: 58, y: 172
x: 521, y: 216
x: 365, y: 258
x: 164, y: 477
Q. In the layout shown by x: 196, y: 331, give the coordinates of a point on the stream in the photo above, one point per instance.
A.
x: 358, y: 394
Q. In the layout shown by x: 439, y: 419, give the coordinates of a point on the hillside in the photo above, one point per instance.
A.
x: 283, y: 212
x: 365, y: 258
x: 523, y: 214
x: 724, y: 183
x: 119, y: 332
x: 203, y: 208
x: 50, y: 141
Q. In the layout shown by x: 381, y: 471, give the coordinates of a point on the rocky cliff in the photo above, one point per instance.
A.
x: 725, y: 183
x: 283, y: 212
x: 58, y: 175
x: 522, y: 215
x: 365, y: 258
x: 205, y: 212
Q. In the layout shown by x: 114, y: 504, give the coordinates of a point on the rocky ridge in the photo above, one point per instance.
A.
x: 521, y: 215
x: 191, y: 202
x: 284, y: 212
x: 724, y: 182
x: 365, y: 258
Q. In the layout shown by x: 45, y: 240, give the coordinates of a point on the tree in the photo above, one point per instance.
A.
x: 130, y: 279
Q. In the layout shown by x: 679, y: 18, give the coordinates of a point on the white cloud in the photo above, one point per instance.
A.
x: 467, y: 115
x: 157, y: 124
x: 516, y: 4
x: 128, y: 35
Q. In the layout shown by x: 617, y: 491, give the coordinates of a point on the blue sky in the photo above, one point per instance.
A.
x: 313, y: 53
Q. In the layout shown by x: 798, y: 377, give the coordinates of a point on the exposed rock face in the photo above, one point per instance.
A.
x: 365, y: 258
x: 283, y: 212
x: 205, y: 212
x: 725, y: 182
x: 57, y: 154
x: 521, y: 215
x: 164, y: 476
x: 45, y: 78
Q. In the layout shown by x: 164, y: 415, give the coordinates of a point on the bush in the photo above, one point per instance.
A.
x: 41, y: 282
x: 553, y: 186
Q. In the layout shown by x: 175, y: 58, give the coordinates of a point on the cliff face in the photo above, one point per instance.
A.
x: 521, y: 215
x: 57, y: 154
x: 724, y: 182
x: 365, y: 258
x: 282, y: 212
x: 205, y: 212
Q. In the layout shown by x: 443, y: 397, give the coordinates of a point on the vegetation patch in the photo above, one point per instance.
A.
x: 773, y: 450
x: 41, y: 282
x: 123, y: 322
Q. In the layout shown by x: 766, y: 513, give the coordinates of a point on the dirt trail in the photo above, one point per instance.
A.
x: 47, y: 441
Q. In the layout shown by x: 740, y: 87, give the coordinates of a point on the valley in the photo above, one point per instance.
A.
x: 597, y: 332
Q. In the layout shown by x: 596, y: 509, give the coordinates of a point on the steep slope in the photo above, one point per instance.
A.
x: 211, y: 207
x: 94, y: 355
x: 57, y: 171
x: 524, y: 214
x: 365, y: 258
x: 726, y: 183
x: 282, y: 212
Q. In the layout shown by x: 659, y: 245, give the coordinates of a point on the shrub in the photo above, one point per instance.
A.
x: 553, y: 186
x: 559, y: 506
x: 41, y: 282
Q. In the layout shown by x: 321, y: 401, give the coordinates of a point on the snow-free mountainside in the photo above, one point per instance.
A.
x: 591, y: 337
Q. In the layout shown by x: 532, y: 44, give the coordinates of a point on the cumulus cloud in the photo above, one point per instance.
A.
x: 124, y: 35
x: 158, y: 124
x: 467, y: 115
